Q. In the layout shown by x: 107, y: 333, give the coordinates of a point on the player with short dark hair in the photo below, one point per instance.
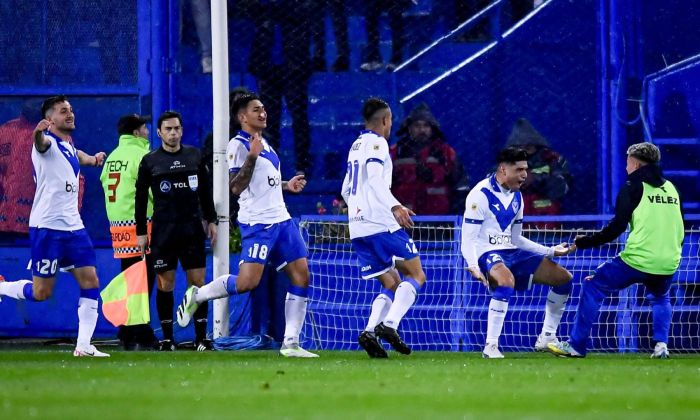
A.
x: 267, y: 231
x: 501, y: 258
x: 651, y: 206
x: 56, y: 232
x: 182, y: 197
x: 375, y: 220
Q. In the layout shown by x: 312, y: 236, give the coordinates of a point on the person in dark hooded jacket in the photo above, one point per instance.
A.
x: 428, y: 176
x: 548, y: 178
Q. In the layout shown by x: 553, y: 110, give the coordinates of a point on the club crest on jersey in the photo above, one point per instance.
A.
x: 376, y: 147
x: 165, y: 186
x: 193, y: 182
x: 516, y: 205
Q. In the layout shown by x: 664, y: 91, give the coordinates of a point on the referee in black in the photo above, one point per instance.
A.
x: 182, y: 196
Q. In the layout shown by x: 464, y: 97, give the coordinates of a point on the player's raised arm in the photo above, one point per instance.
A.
x: 41, y: 143
x: 240, y: 180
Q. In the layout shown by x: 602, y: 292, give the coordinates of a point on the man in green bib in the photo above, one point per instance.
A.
x: 651, y: 206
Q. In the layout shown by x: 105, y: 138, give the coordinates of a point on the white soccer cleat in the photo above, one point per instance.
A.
x: 491, y: 352
x: 544, y: 340
x: 187, y: 307
x: 296, y: 351
x: 89, y: 351
x: 660, y: 351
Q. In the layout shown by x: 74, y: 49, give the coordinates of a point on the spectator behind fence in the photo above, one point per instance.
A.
x: 548, y: 178
x: 395, y: 9
x: 201, y: 13
x: 281, y: 62
x: 428, y: 176
x: 119, y: 184
x: 339, y: 16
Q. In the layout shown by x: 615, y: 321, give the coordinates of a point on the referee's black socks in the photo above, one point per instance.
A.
x: 165, y: 303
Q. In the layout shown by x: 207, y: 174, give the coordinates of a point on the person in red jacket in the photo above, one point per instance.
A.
x: 428, y: 175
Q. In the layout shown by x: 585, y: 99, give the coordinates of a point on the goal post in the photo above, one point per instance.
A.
x: 451, y: 310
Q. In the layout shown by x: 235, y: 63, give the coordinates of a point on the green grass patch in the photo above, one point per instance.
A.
x: 52, y: 384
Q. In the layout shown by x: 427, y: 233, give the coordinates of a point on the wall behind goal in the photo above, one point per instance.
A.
x: 451, y: 310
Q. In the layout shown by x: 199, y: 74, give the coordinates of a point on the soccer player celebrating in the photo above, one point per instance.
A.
x: 267, y: 231
x: 57, y: 234
x: 651, y: 206
x: 502, y: 259
x: 375, y: 221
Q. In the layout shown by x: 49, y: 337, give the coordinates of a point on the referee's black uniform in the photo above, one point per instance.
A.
x: 182, y: 196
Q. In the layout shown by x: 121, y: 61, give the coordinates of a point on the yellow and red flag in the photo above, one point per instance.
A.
x: 125, y: 299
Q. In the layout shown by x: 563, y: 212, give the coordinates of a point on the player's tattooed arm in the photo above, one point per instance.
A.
x: 239, y: 182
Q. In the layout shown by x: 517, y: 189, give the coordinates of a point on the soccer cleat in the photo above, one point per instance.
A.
x: 166, y: 345
x: 369, y: 342
x: 660, y: 351
x: 491, y: 351
x: 392, y: 337
x: 294, y: 350
x: 89, y: 351
x: 563, y: 349
x: 204, y: 345
x: 187, y: 307
x: 543, y: 340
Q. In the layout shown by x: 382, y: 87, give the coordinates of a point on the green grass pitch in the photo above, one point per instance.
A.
x: 52, y: 384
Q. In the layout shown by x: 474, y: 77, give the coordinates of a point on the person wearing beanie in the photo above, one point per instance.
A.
x: 428, y: 175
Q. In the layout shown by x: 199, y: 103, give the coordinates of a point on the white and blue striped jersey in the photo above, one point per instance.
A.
x: 56, y: 173
x: 262, y: 202
x: 369, y: 200
x: 493, y: 218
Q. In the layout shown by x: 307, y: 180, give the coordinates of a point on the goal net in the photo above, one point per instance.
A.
x: 451, y: 310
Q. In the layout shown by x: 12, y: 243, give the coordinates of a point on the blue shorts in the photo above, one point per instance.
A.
x: 279, y: 243
x: 58, y: 249
x: 522, y: 264
x: 378, y: 252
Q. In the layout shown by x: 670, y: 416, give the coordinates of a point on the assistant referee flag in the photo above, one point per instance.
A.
x: 125, y: 299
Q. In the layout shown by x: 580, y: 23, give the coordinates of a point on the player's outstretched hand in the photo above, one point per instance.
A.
x: 563, y: 249
x: 256, y: 145
x: 477, y: 274
x: 403, y: 215
x: 100, y: 158
x: 296, y: 184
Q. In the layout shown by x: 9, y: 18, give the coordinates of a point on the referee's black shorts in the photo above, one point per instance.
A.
x: 173, y: 242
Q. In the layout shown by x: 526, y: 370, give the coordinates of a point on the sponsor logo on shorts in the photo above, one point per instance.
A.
x: 366, y: 268
x: 159, y: 264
